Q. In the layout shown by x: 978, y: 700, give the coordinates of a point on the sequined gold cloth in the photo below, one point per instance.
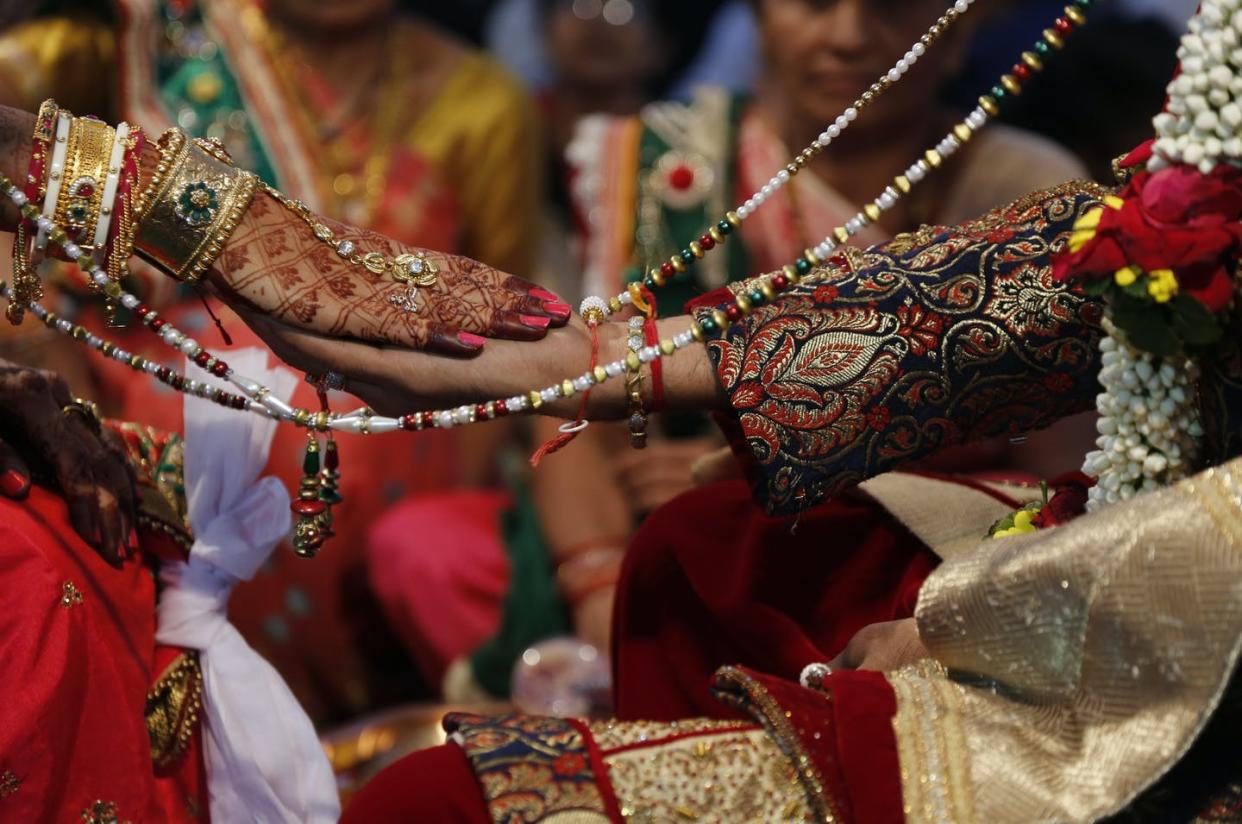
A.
x: 1084, y: 660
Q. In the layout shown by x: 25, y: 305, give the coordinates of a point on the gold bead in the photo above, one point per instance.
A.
x: 599, y: 374
x: 733, y: 219
x: 765, y: 286
x: 300, y: 417
x: 790, y: 272
x: 696, y: 249
x: 135, y: 361
x: 872, y: 212
x: 113, y: 290
x: 667, y: 346
x: 988, y: 104
x: 696, y: 332
x: 678, y: 265
x: 79, y: 333
x: 1075, y: 15
x: 903, y: 184
x: 811, y: 257
x: 567, y: 388
x: 841, y: 234
x: 716, y: 235
x: 59, y: 236
x: 614, y: 304
x: 632, y: 363
x: 722, y: 320
x: 933, y: 158
x: 656, y: 277
x: 1053, y: 39
x: 536, y: 399
x: 743, y: 304
x: 963, y: 133
x: 1032, y: 61
x: 1011, y: 84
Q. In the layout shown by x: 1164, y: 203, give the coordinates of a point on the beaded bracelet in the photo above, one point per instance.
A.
x: 634, y: 384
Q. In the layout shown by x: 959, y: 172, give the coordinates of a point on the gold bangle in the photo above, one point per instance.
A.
x: 193, y: 210
x: 124, y: 246
x: 86, y: 168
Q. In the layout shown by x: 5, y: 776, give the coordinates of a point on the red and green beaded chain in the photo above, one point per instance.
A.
x: 766, y: 289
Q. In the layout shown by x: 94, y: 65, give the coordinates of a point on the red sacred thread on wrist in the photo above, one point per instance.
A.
x: 565, y: 438
x: 652, y: 336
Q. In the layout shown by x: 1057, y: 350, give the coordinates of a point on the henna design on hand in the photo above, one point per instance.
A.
x: 275, y: 265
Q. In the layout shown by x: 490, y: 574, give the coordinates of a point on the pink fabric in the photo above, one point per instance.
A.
x: 438, y: 565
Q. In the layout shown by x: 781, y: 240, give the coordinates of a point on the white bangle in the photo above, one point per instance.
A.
x: 111, y: 184
x: 60, y: 147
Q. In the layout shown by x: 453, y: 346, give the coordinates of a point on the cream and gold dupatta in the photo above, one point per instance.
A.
x: 1083, y: 661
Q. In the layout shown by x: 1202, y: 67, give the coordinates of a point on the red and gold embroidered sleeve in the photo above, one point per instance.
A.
x: 943, y: 336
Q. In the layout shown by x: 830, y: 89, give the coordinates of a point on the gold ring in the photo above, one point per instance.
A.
x: 89, y: 411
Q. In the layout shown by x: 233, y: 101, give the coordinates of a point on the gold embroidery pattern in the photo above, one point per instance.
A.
x: 611, y: 734
x: 102, y: 812
x: 158, y: 460
x: 734, y: 775
x: 944, y: 336
x: 930, y: 746
x: 9, y: 783
x: 532, y: 769
x: 70, y: 596
x: 172, y: 709
x: 736, y: 688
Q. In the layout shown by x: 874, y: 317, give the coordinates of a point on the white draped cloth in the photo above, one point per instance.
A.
x: 264, y: 762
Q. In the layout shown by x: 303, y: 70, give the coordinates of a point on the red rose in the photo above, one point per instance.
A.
x: 1175, y: 219
x: 1069, y: 500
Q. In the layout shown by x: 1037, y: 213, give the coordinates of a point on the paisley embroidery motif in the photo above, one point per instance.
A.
x: 944, y: 335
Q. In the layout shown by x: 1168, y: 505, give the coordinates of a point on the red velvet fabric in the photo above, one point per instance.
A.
x: 77, y: 645
x: 863, y: 707
x: 711, y: 581
x: 432, y: 786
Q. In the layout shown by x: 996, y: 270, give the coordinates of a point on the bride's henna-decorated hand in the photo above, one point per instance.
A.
x: 274, y: 264
x: 39, y: 438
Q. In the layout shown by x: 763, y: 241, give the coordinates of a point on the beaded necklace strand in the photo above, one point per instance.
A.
x: 257, y: 398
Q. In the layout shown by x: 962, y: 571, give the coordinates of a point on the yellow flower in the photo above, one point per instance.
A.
x: 1022, y: 520
x: 1163, y: 285
x: 1126, y: 275
x: 1084, y: 228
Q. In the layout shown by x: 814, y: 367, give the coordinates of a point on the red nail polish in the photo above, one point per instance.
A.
x: 545, y: 295
x: 473, y: 341
x: 560, y: 310
x: 536, y: 322
x: 14, y: 484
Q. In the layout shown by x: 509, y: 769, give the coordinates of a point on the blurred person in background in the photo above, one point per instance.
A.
x: 371, y: 116
x: 601, y: 56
